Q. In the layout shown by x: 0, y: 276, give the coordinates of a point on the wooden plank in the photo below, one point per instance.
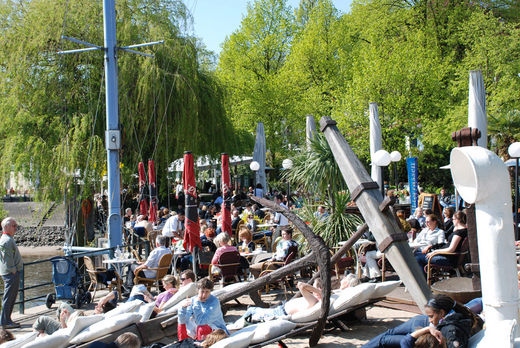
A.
x: 382, y: 224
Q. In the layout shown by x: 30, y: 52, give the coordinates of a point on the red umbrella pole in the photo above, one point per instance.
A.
x: 226, y: 195
x: 152, y: 216
x: 143, y: 204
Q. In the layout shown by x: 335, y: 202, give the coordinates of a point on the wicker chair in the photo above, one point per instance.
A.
x: 160, y: 271
x: 434, y: 271
x: 95, y: 284
x: 271, y: 266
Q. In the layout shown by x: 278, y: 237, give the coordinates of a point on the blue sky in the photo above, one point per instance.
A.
x: 216, y: 19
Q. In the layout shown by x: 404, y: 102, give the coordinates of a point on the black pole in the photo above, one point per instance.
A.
x: 516, y: 200
x: 382, y: 182
x: 395, y: 177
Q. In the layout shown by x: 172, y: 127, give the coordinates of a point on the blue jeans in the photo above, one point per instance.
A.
x: 440, y: 260
x: 262, y: 314
x: 11, y: 285
x: 392, y: 338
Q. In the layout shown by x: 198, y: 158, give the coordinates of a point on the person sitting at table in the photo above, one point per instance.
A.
x: 419, y: 216
x: 251, y: 223
x: 142, y: 268
x: 453, y: 245
x: 448, y: 221
x: 405, y: 225
x: 174, y: 226
x: 246, y: 240
x: 143, y: 223
x: 235, y: 219
x: 203, y: 313
x: 282, y: 251
x: 222, y: 242
x: 430, y: 236
x: 257, y: 211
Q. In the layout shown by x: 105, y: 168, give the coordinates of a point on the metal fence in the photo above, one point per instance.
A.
x: 140, y: 244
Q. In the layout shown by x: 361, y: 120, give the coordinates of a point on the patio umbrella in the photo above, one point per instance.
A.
x: 477, y: 116
x: 143, y: 204
x: 259, y: 155
x: 310, y: 130
x: 152, y: 217
x: 375, y: 141
x: 192, y: 230
x: 226, y: 195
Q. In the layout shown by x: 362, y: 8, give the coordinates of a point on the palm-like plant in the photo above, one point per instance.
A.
x: 315, y: 170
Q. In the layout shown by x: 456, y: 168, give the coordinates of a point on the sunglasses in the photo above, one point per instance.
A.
x: 183, y: 279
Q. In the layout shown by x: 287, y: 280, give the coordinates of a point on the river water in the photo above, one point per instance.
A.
x: 34, y: 275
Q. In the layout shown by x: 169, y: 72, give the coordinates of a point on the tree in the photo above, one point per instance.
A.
x: 249, y: 68
x: 52, y: 106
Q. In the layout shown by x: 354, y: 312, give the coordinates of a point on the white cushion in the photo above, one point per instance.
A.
x: 184, y: 292
x: 126, y: 307
x: 352, y: 296
x: 241, y: 339
x: 271, y: 329
x: 106, y: 326
x: 146, y: 310
x: 20, y: 340
x: 83, y: 322
x: 58, y: 339
x: 313, y: 313
x: 384, y: 288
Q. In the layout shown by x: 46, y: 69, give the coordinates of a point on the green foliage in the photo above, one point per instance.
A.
x: 316, y: 171
x: 412, y: 57
x: 52, y: 106
x: 338, y: 226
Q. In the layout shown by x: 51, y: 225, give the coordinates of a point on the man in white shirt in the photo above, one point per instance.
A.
x: 151, y: 262
x: 174, y: 226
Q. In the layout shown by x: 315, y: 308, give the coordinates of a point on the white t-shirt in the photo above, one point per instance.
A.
x: 172, y: 225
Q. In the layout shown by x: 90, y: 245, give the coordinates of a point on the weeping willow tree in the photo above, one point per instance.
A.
x: 52, y: 110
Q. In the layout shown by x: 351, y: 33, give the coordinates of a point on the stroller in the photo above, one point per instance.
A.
x: 68, y: 283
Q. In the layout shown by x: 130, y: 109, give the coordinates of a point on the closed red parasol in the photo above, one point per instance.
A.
x: 143, y: 203
x: 152, y: 217
x: 226, y: 195
x: 192, y: 230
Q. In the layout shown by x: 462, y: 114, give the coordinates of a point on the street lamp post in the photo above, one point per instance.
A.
x: 395, y: 156
x: 287, y: 164
x: 382, y: 159
x: 514, y: 152
x: 254, y: 166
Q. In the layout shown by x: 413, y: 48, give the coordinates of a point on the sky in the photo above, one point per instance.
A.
x: 216, y: 19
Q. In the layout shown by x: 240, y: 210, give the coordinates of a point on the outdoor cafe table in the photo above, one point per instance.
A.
x: 260, y: 226
x: 255, y: 255
x: 119, y: 264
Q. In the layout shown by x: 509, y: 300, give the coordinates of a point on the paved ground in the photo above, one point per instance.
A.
x: 378, y: 319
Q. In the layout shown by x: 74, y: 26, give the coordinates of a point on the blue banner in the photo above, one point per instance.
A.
x: 413, y: 173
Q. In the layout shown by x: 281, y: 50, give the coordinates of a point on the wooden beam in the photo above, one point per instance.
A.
x: 321, y: 251
x: 381, y: 223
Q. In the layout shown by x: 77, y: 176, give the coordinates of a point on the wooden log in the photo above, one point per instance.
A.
x: 321, y: 251
x: 382, y: 223
x: 344, y: 248
x: 259, y: 283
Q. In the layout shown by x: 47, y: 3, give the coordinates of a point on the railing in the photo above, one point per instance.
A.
x: 22, y: 300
